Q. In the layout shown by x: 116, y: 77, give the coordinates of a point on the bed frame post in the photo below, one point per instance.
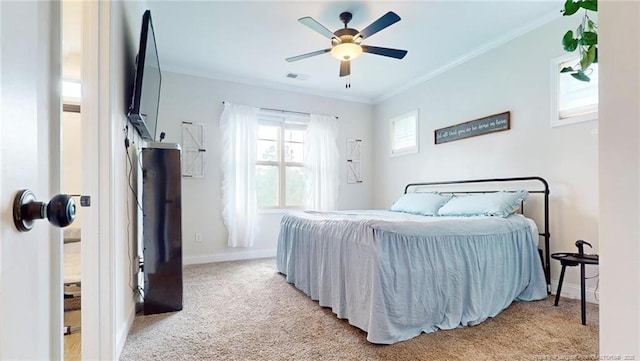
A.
x: 547, y: 236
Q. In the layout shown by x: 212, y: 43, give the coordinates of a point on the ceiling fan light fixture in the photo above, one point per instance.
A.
x: 345, y: 42
x: 346, y: 51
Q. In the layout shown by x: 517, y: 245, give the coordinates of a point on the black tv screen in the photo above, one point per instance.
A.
x: 143, y: 112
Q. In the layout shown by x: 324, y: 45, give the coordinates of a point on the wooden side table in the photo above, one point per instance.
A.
x: 574, y: 259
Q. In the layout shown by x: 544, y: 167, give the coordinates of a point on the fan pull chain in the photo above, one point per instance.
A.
x: 347, y: 85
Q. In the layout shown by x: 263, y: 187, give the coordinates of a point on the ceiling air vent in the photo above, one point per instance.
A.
x: 297, y: 76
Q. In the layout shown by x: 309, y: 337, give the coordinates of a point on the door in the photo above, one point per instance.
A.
x: 30, y: 273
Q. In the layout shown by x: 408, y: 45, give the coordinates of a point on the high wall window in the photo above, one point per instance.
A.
x: 572, y: 100
x: 404, y: 133
x: 280, y: 153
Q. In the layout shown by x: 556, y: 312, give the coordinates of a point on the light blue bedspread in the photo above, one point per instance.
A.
x: 395, y: 275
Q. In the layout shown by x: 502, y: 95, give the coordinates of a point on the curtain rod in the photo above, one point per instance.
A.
x: 284, y: 111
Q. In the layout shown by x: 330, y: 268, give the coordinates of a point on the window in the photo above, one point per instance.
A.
x: 280, y: 172
x: 404, y: 133
x: 572, y: 100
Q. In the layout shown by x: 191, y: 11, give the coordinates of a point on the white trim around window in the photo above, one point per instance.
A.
x: 581, y: 111
x: 403, y: 131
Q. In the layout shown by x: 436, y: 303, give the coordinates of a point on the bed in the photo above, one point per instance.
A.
x: 396, y: 275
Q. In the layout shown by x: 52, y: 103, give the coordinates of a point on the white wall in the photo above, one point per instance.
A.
x: 513, y: 77
x: 619, y: 177
x: 197, y: 99
x: 125, y: 30
x: 72, y: 159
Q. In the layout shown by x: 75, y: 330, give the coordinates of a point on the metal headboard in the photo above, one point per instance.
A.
x: 545, y: 191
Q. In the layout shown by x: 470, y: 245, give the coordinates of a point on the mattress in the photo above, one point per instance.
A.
x: 396, y: 275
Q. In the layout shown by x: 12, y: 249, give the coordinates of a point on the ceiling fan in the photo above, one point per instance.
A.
x: 346, y: 42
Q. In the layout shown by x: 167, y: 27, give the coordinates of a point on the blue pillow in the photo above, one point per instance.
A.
x: 426, y: 204
x: 500, y: 204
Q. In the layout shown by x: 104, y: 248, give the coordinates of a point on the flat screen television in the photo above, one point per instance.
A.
x: 143, y: 111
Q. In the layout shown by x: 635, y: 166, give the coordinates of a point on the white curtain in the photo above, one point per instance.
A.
x: 322, y: 163
x: 238, y: 125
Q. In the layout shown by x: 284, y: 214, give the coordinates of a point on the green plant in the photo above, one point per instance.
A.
x: 585, y: 39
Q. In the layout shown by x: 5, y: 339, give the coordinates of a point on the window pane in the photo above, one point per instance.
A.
x: 268, y: 132
x: 293, y: 152
x: 577, y: 97
x: 267, y: 186
x: 404, y: 133
x: 295, y: 187
x: 294, y: 135
x: 267, y: 150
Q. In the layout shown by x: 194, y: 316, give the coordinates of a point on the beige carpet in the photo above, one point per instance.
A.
x: 73, y: 342
x: 246, y: 311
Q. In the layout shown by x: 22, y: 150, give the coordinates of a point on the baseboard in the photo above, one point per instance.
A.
x: 570, y: 290
x: 123, y: 330
x: 230, y: 256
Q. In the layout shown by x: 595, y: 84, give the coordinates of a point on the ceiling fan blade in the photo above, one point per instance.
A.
x: 392, y: 53
x: 316, y: 26
x: 307, y: 55
x: 345, y: 68
x: 383, y: 22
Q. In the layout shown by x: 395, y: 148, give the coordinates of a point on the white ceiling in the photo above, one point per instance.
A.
x: 247, y: 42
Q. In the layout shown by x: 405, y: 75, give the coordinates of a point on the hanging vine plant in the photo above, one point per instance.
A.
x: 584, y: 40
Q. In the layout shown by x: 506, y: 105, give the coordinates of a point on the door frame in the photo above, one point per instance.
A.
x: 98, y: 296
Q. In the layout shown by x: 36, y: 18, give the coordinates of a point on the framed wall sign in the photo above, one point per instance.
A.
x: 491, y: 124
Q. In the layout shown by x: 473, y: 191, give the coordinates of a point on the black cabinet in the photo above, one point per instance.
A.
x: 162, y: 228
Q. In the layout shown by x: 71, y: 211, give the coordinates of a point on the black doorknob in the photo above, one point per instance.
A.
x: 60, y: 210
